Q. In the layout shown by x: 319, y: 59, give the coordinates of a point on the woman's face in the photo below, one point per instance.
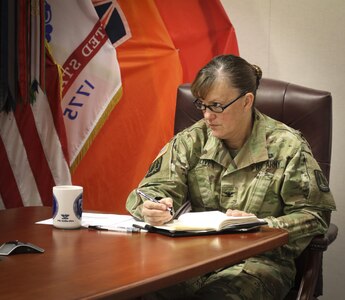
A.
x: 226, y: 125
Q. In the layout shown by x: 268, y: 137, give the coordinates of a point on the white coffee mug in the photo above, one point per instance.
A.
x: 67, y: 206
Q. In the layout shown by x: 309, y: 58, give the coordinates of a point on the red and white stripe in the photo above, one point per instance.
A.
x: 17, y: 183
x: 37, y: 144
x: 32, y: 160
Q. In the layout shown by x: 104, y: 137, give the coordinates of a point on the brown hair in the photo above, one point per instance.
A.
x: 239, y: 73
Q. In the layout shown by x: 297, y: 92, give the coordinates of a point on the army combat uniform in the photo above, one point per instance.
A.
x: 274, y: 176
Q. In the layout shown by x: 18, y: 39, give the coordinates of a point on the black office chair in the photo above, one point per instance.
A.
x: 309, y: 111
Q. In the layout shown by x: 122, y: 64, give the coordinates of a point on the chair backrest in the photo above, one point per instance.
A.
x: 305, y: 109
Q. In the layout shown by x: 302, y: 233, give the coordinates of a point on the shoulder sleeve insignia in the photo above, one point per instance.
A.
x: 155, y: 167
x: 321, y: 181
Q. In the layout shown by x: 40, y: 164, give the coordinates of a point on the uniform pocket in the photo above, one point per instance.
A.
x: 204, y: 187
x: 257, y: 191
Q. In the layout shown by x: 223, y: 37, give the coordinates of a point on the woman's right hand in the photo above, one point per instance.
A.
x: 157, y: 213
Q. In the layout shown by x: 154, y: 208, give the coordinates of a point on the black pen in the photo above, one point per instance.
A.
x: 140, y: 193
x: 115, y: 229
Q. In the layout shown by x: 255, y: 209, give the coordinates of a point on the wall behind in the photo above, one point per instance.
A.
x: 303, y: 42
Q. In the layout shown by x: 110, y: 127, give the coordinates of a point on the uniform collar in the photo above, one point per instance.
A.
x: 255, y: 148
x: 216, y: 150
x: 253, y: 151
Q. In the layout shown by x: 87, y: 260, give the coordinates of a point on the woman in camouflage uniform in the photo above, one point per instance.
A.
x: 239, y: 161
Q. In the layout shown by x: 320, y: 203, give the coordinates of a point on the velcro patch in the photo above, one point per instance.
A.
x: 321, y: 181
x: 155, y: 167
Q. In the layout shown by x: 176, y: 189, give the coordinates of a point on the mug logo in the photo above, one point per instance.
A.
x: 64, y: 216
x: 55, y: 206
x: 78, y: 206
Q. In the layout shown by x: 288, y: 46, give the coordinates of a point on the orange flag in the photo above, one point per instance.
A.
x: 142, y: 121
x: 200, y: 30
x: 159, y: 56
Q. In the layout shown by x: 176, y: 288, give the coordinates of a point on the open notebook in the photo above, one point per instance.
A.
x: 207, y: 222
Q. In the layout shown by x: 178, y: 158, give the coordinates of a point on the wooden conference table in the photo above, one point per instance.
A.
x: 96, y: 264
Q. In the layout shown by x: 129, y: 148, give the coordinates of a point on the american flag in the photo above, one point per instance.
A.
x: 41, y: 141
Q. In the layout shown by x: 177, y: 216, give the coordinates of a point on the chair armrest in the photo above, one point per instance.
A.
x: 321, y: 242
x: 313, y: 263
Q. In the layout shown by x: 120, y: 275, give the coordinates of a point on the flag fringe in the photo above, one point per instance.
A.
x: 95, y: 131
x: 58, y: 66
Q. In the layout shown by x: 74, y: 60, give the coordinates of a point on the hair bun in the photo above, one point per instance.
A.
x: 258, y: 74
x: 258, y: 71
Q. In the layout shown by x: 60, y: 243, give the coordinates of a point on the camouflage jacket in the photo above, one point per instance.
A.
x: 274, y: 175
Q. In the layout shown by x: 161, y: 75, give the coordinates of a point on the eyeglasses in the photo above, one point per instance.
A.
x: 216, y: 107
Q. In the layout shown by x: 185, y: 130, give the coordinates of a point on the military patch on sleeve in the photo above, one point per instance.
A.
x: 163, y: 150
x: 155, y: 167
x: 321, y: 181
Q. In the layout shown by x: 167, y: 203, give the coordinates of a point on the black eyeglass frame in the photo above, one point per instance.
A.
x: 211, y: 107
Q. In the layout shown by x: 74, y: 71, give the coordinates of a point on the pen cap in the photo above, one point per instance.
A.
x: 67, y: 206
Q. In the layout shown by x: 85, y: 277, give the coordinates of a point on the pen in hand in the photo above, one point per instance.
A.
x: 140, y: 193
